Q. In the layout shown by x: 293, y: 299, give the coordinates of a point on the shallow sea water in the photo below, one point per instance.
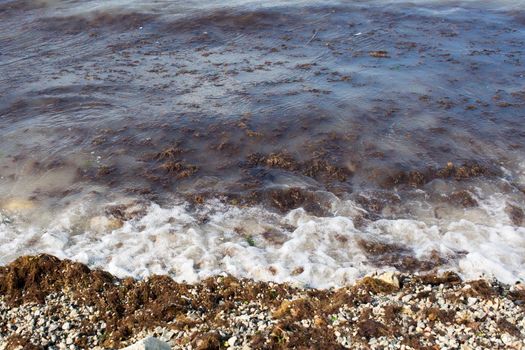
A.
x: 311, y: 142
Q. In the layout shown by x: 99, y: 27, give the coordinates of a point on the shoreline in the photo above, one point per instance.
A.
x: 50, y: 303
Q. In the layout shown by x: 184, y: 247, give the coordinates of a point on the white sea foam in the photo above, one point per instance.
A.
x: 252, y: 242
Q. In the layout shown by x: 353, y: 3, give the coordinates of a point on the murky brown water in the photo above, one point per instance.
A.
x: 378, y: 114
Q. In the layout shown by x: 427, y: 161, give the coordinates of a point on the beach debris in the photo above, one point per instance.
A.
x: 379, y: 54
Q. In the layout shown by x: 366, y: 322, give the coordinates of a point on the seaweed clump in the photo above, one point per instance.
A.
x: 391, y: 254
x: 314, y: 168
x: 418, y: 178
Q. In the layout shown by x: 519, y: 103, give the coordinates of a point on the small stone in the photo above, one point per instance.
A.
x: 232, y: 341
x: 519, y: 286
x: 506, y: 339
x: 390, y: 278
x: 149, y: 343
x: 406, y: 298
x: 168, y: 334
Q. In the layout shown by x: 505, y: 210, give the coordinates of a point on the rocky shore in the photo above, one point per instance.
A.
x: 47, y: 303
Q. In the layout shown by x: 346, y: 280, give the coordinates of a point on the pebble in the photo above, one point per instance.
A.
x: 62, y: 325
x: 232, y: 341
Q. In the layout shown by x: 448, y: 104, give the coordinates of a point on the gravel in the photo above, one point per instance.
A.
x: 422, y: 313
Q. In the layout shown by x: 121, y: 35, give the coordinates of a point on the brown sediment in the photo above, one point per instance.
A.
x: 205, y: 314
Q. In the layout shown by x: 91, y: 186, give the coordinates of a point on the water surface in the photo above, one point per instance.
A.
x: 302, y: 141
